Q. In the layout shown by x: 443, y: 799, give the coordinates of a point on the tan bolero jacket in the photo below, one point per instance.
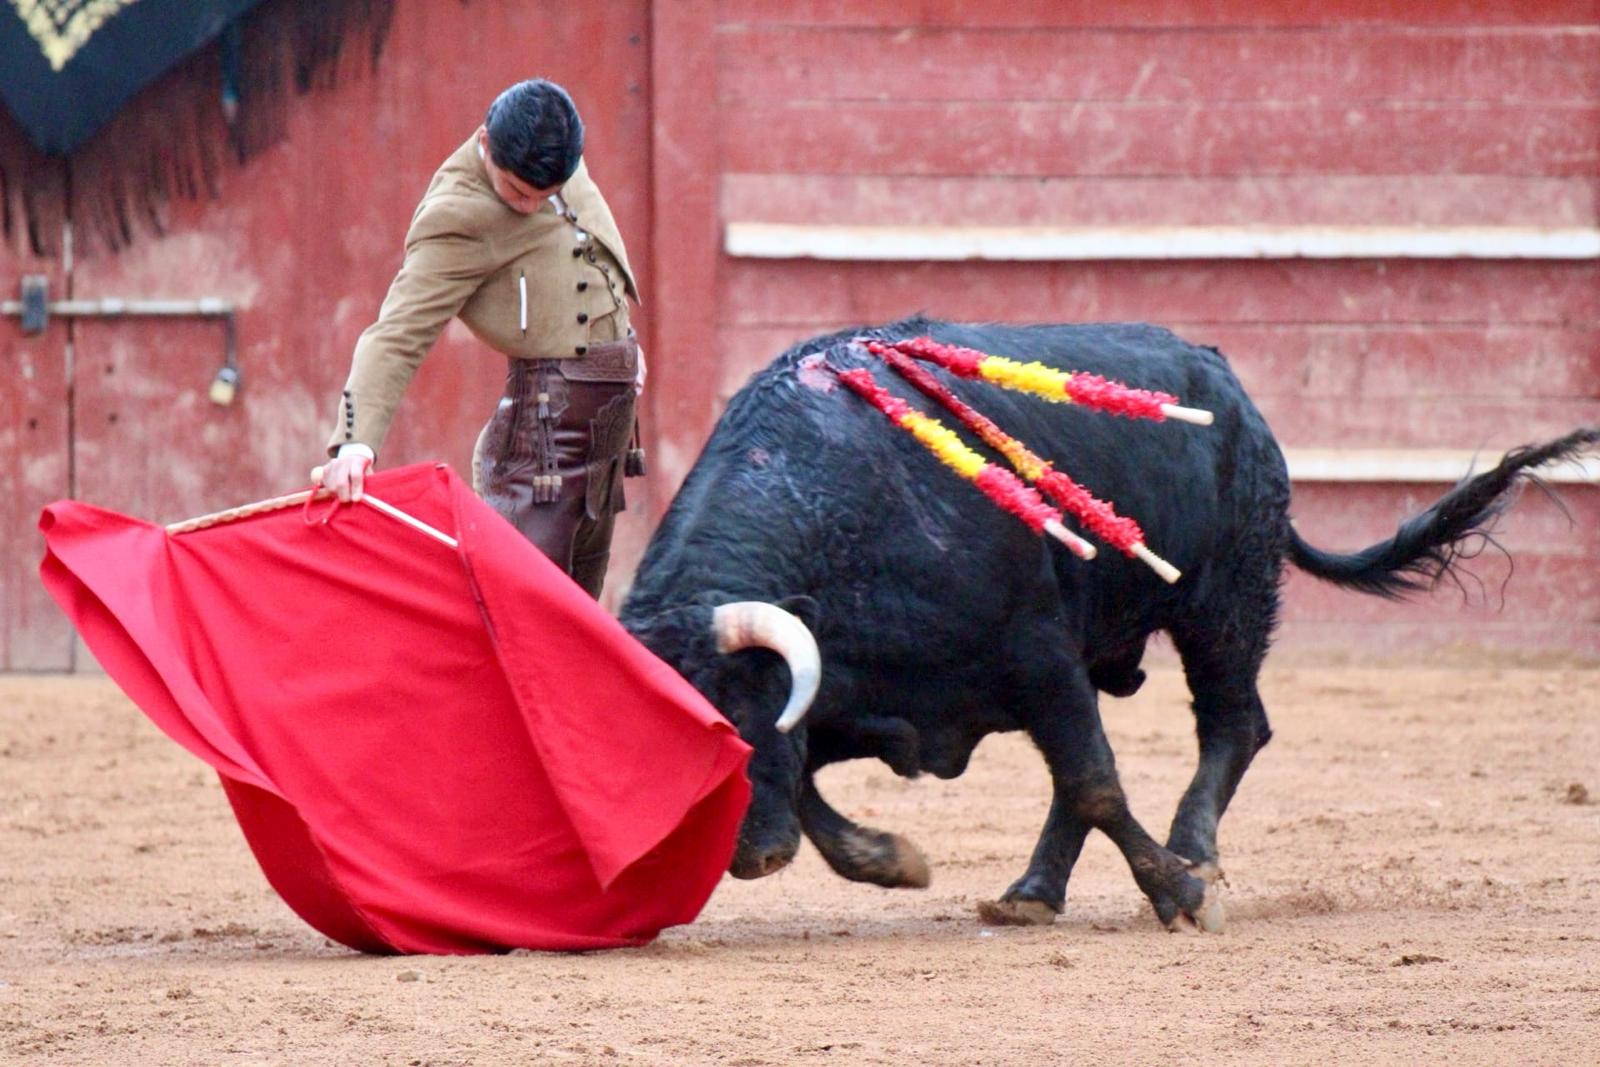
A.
x: 539, y: 286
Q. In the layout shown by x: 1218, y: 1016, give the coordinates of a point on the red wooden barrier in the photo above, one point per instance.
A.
x: 927, y: 112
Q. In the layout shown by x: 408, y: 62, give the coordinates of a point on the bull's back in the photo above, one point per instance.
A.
x: 848, y: 500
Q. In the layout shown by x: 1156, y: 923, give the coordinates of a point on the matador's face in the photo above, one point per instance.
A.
x: 518, y: 194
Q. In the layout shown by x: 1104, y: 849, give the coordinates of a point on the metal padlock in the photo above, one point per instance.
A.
x: 224, y: 386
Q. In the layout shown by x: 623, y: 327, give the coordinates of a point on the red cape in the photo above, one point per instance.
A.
x: 428, y: 749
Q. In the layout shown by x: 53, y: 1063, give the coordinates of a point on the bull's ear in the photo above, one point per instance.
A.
x: 803, y: 608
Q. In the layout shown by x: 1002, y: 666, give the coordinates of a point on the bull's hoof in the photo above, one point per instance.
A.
x: 1017, y: 912
x: 877, y: 858
x: 1210, y: 916
x: 911, y: 866
x: 751, y: 869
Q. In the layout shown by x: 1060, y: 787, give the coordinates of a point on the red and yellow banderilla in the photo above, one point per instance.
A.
x: 1073, y: 387
x: 1097, y: 516
x: 998, y: 484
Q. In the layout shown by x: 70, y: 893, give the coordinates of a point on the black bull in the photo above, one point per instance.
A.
x: 940, y: 619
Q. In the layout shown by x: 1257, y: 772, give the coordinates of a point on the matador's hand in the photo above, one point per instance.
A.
x: 344, y: 475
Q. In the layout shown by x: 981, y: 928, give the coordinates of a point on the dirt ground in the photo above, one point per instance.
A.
x: 1414, y: 872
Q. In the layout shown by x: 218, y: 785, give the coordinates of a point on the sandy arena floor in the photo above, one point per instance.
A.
x: 1414, y: 867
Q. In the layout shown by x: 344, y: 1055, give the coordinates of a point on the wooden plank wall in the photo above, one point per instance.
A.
x: 35, y: 430
x: 1351, y: 112
x: 928, y: 112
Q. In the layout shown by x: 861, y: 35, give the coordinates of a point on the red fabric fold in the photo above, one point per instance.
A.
x: 428, y: 749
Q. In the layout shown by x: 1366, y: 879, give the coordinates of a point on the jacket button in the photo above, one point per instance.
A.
x: 581, y: 349
x: 582, y: 286
x: 582, y: 317
x: 576, y: 252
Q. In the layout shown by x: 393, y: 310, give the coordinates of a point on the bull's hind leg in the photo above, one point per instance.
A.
x: 857, y: 852
x: 1231, y: 725
x: 1065, y: 724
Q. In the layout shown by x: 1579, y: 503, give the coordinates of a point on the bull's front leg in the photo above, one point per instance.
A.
x: 860, y: 853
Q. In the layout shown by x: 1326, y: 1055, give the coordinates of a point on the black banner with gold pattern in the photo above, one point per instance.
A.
x: 67, y: 66
x: 105, y: 88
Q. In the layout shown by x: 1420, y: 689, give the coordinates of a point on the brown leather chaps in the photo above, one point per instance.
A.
x: 551, y: 459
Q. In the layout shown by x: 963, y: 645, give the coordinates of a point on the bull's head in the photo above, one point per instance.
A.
x: 732, y: 663
x: 770, y: 834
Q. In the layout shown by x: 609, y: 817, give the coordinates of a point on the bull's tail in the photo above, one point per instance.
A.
x: 1426, y: 547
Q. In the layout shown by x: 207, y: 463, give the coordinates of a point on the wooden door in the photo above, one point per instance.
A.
x: 35, y: 424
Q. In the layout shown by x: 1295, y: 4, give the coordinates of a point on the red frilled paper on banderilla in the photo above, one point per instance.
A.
x: 429, y: 749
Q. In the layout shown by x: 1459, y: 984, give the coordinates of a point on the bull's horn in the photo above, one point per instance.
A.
x: 757, y: 624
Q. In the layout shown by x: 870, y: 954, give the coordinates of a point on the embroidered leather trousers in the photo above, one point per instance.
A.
x: 551, y: 459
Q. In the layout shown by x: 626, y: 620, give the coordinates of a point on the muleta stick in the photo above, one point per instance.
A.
x: 301, y: 499
x: 1097, y: 516
x: 1005, y: 489
x: 1090, y: 390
